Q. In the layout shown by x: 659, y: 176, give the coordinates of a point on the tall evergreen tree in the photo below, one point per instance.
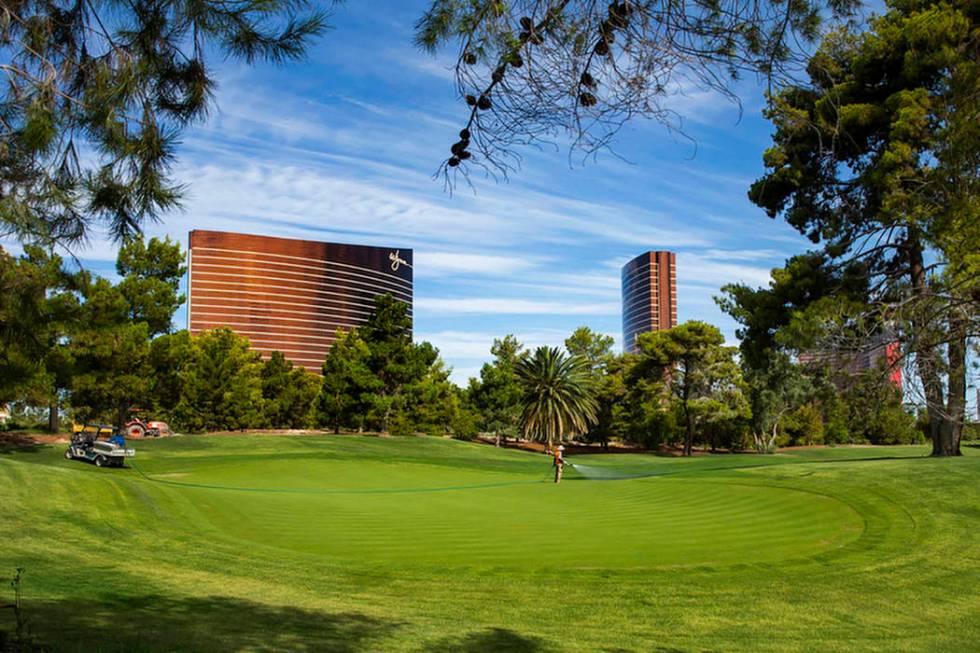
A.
x: 393, y: 358
x: 877, y: 158
x: 169, y: 355
x: 39, y: 306
x: 347, y: 378
x: 497, y: 393
x: 775, y: 385
x: 605, y: 377
x: 697, y: 369
x: 288, y: 393
x: 220, y: 384
x: 151, y: 274
x: 109, y: 355
x: 98, y: 93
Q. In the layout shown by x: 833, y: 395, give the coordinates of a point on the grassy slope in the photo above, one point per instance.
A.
x: 350, y: 544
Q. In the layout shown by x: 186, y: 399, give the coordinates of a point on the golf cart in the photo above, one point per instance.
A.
x: 85, y: 445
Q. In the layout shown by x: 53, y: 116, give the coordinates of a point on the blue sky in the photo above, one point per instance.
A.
x: 342, y: 147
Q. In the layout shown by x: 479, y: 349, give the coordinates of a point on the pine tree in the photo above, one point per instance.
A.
x: 876, y: 157
x: 288, y: 393
x: 98, y: 93
x: 220, y: 384
x: 151, y: 274
x: 347, y: 378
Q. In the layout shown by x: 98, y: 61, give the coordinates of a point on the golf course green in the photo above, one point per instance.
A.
x: 345, y: 543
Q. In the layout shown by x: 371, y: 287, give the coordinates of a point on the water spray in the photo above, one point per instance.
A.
x: 600, y: 473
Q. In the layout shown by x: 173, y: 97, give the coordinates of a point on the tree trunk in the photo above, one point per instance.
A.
x: 949, y: 440
x: 927, y: 359
x: 121, y: 416
x: 54, y: 417
x: 689, y: 435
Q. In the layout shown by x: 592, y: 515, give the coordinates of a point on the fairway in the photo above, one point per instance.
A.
x: 355, y: 543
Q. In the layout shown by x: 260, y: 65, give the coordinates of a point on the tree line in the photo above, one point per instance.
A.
x: 79, y: 343
x: 75, y: 342
x: 683, y: 387
x: 874, y: 159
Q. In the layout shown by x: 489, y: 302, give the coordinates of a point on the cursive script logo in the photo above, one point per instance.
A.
x: 397, y: 261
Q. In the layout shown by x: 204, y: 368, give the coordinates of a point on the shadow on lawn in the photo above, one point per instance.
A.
x: 18, y: 443
x: 213, y: 623
x: 495, y: 640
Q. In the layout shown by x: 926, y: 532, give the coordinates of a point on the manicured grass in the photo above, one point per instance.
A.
x: 418, y: 544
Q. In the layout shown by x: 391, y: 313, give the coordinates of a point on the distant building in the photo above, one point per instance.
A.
x: 879, y: 352
x: 289, y: 295
x: 649, y: 284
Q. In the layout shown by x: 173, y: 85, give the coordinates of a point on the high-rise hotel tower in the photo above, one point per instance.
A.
x: 649, y: 295
x: 289, y: 295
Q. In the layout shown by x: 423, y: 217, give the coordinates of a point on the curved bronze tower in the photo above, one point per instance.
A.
x: 649, y: 295
x: 289, y: 295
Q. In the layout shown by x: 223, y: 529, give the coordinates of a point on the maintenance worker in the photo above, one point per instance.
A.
x: 559, y: 462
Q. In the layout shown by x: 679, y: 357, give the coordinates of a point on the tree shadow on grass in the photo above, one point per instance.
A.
x: 491, y: 640
x: 18, y: 443
x: 214, y: 623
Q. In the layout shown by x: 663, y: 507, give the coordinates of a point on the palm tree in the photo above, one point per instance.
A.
x: 558, y: 398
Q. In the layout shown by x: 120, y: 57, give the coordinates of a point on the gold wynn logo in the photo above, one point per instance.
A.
x: 397, y: 261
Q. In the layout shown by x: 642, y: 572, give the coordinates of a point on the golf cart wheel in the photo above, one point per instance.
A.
x: 68, y: 455
x: 100, y: 461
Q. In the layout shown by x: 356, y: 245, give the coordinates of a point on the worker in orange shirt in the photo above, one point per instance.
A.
x: 559, y: 462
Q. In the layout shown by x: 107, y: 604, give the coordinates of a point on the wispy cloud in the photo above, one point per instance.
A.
x: 508, y: 306
x: 439, y: 264
x: 715, y: 271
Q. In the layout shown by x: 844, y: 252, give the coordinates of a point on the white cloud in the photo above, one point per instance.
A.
x: 442, y: 263
x: 431, y: 306
x: 715, y: 271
